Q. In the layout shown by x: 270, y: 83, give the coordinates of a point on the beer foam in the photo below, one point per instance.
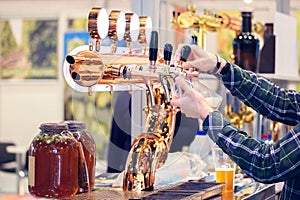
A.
x: 224, y: 169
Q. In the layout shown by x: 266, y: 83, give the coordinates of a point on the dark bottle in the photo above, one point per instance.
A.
x: 87, y: 161
x: 268, y: 31
x: 267, y: 53
x: 53, y: 162
x: 246, y: 45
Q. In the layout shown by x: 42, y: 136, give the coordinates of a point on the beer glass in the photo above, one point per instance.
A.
x: 224, y: 169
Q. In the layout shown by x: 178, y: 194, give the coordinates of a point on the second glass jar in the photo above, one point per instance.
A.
x: 78, y: 129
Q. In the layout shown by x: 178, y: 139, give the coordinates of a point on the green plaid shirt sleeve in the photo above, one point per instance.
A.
x: 267, y: 163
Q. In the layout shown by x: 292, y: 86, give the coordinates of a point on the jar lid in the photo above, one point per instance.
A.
x: 53, y: 126
x: 75, y: 124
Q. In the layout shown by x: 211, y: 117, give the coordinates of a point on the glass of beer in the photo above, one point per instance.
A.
x: 224, y: 169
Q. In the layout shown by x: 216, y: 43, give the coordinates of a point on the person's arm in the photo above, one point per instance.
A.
x: 263, y: 95
x: 264, y: 162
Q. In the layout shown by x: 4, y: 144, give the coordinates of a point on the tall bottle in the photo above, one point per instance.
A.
x: 246, y: 45
x: 202, y: 146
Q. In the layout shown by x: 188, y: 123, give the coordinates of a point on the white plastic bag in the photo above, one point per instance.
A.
x: 180, y: 167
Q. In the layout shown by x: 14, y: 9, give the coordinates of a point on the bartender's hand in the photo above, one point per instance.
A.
x: 192, y: 103
x: 200, y: 59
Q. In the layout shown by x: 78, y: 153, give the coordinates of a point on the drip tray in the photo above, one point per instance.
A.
x: 188, y: 190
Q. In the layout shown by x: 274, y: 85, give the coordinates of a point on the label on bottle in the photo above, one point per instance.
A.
x: 31, y: 170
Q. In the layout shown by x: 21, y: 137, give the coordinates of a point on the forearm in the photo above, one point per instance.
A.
x: 263, y: 96
x: 265, y: 163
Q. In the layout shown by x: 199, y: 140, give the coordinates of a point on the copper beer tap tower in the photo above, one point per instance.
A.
x: 88, y: 70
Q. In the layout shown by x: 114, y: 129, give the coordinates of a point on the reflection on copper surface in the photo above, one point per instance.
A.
x: 144, y: 20
x: 131, y: 27
x: 150, y: 149
x: 86, y: 68
x: 93, y: 26
x: 115, y: 17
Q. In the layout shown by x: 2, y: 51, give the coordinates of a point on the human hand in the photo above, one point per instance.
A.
x: 199, y: 59
x: 192, y: 103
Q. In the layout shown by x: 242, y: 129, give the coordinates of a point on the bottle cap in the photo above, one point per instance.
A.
x: 270, y: 136
x: 200, y: 132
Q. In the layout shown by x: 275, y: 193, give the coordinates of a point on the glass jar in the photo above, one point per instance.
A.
x: 53, y: 162
x: 79, y: 131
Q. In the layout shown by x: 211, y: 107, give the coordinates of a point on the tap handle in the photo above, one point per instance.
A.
x: 168, y: 48
x: 185, y: 52
x: 153, y: 47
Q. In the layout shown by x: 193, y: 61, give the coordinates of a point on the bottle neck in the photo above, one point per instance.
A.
x: 246, y: 22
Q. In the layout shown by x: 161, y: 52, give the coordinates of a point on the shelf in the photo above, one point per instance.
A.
x: 290, y: 79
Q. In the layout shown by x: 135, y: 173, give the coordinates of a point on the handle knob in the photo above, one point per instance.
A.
x: 168, y: 48
x: 153, y: 47
x: 185, y: 52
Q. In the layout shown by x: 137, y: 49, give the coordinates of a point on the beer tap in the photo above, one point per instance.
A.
x: 153, y: 49
x: 132, y: 25
x: 168, y: 48
x: 97, y: 31
x: 117, y: 25
x: 185, y: 52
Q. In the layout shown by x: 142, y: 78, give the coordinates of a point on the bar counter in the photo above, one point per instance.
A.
x: 185, y: 190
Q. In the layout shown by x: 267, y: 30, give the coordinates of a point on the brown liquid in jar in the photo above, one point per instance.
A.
x: 89, y: 149
x: 53, y: 163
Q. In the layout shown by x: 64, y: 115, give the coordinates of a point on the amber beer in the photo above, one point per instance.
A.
x: 225, y: 175
x: 224, y: 169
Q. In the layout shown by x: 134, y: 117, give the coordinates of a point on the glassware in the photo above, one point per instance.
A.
x: 211, y: 96
x: 246, y: 45
x: 53, y: 162
x: 88, y: 161
x: 224, y: 169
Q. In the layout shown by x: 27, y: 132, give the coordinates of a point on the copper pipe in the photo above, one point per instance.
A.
x: 150, y: 149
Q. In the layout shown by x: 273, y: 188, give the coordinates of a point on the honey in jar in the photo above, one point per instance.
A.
x: 79, y: 131
x: 53, y: 162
